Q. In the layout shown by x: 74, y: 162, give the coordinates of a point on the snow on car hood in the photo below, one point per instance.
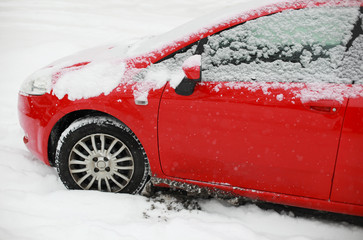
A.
x: 85, y: 74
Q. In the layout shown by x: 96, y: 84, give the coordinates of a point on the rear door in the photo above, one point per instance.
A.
x: 269, y: 110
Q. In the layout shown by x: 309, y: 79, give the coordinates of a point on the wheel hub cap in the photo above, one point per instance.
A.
x: 101, y: 162
x: 101, y: 165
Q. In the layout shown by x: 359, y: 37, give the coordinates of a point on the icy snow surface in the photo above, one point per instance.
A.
x: 305, y: 46
x: 309, y: 45
x: 33, y: 202
x: 194, y: 60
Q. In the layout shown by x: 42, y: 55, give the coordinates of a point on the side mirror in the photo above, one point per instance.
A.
x: 191, y: 68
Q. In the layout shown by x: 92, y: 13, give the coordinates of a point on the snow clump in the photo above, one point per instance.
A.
x: 90, y: 81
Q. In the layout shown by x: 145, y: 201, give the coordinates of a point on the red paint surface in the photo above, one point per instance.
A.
x: 39, y: 114
x: 250, y: 139
x: 192, y: 72
x: 348, y: 179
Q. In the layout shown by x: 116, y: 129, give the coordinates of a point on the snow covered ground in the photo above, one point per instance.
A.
x: 33, y: 202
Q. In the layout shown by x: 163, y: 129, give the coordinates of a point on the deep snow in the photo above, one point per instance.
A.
x: 33, y: 202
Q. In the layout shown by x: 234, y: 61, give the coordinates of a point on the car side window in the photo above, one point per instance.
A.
x: 352, y: 66
x: 292, y: 46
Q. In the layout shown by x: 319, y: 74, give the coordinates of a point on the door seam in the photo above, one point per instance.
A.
x: 157, y: 127
x: 338, y: 148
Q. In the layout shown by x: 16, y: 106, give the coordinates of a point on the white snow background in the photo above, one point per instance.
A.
x: 33, y: 202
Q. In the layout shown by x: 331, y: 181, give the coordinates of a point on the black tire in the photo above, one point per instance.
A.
x: 101, y: 153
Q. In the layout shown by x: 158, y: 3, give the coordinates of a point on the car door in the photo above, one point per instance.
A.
x: 268, y: 113
x: 348, y: 181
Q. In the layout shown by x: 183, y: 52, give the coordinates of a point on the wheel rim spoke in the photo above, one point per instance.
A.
x: 124, y: 167
x: 117, y: 183
x: 92, y: 160
x: 79, y: 170
x: 111, y: 146
x: 91, y: 183
x: 102, y: 138
x: 118, y: 151
x: 83, y: 178
x: 74, y: 162
x: 124, y: 159
x: 99, y: 186
x: 122, y: 176
x: 93, y: 140
x: 80, y: 154
x: 85, y: 147
x: 108, y: 185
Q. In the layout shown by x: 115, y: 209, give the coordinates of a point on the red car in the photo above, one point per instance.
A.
x: 262, y: 100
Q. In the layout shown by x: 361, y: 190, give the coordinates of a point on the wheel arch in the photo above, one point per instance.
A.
x: 63, y: 123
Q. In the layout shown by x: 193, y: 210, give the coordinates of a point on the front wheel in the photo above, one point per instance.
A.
x: 100, y: 153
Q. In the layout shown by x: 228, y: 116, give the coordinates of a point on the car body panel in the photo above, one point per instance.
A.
x: 39, y: 114
x: 348, y: 178
x: 250, y: 138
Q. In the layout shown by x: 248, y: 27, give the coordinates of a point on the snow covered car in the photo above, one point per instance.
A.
x: 262, y: 100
